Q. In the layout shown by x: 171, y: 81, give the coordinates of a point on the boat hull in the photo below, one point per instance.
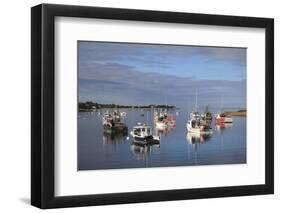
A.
x: 145, y: 143
x: 161, y: 125
x: 224, y: 120
x: 199, y: 131
x: 148, y: 138
x: 115, y: 129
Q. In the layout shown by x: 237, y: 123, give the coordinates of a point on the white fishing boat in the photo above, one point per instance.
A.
x: 197, y: 127
x: 143, y: 134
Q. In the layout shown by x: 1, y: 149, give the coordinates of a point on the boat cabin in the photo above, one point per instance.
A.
x: 142, y: 131
x: 195, y: 115
x: 194, y: 123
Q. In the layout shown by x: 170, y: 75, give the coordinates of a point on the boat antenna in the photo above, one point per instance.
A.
x: 207, y: 108
x: 222, y: 102
x: 166, y: 103
x: 147, y: 116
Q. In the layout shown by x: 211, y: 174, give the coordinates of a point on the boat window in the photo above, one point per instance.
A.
x: 193, y: 124
x: 148, y: 131
x: 137, y: 131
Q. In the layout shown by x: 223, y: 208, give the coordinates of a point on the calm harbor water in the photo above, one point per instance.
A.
x: 96, y: 150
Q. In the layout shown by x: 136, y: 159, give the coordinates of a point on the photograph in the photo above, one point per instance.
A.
x: 140, y: 105
x: 146, y: 105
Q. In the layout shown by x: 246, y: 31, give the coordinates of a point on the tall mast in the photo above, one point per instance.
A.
x: 196, y: 99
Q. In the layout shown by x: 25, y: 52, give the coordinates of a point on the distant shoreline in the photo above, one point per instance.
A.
x: 91, y: 106
x: 241, y: 113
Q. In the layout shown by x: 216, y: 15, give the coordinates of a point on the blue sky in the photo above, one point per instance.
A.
x: 125, y: 73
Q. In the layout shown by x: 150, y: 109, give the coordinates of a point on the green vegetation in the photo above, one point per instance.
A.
x: 241, y: 112
x: 90, y: 106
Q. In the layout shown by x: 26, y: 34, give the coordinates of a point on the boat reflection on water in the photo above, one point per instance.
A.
x: 114, y: 138
x: 194, y: 138
x: 222, y: 126
x: 142, y: 151
x: 164, y: 131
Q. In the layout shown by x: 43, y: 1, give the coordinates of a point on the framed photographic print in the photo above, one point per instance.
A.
x: 140, y: 106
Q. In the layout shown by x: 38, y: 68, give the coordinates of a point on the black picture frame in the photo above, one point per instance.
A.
x: 43, y: 102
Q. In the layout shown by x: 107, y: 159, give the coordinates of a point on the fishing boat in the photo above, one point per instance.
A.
x: 198, y: 127
x: 223, y: 118
x: 164, y: 120
x: 196, y: 124
x: 143, y: 134
x: 112, y: 123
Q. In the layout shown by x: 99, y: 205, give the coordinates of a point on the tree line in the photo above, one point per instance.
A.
x: 90, y: 106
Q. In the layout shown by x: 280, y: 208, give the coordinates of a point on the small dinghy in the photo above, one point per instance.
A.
x: 143, y: 134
